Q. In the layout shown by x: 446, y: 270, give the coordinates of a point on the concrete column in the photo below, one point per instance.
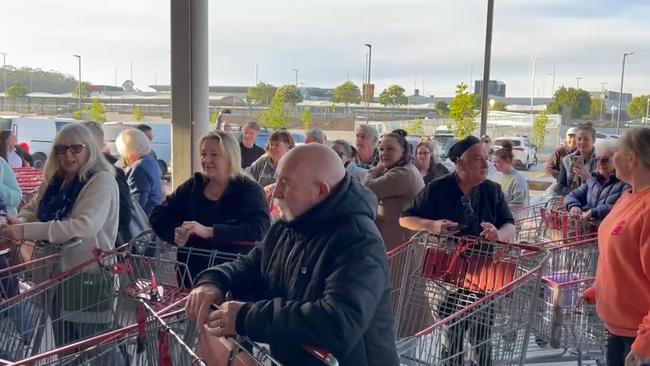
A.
x: 189, y: 82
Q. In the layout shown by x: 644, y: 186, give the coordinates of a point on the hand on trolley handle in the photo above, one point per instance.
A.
x: 183, y: 233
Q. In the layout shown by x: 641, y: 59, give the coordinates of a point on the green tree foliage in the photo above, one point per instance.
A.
x: 478, y: 99
x: 638, y: 106
x: 39, y: 80
x: 306, y: 119
x: 137, y: 114
x: 85, y: 90
x: 416, y: 128
x: 261, y: 94
x: 16, y: 90
x: 290, y: 94
x: 442, y: 108
x: 499, y: 106
x: 276, y: 117
x: 539, y: 130
x: 596, y: 105
x: 393, y: 96
x: 97, y: 112
x: 577, y: 99
x: 461, y: 110
x: 347, y: 93
x: 78, y: 115
x: 214, y: 117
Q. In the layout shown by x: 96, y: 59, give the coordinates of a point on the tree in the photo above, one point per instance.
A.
x: 97, y: 112
x: 393, y: 96
x: 461, y: 110
x: 442, y: 108
x: 577, y: 99
x: 38, y: 80
x: 16, y: 90
x: 214, y: 117
x: 137, y: 114
x: 85, y: 90
x: 596, y: 106
x: 499, y: 106
x: 290, y: 94
x: 78, y: 115
x: 276, y: 117
x: 539, y: 130
x: 638, y: 106
x: 347, y: 93
x: 261, y: 94
x: 306, y: 119
x: 478, y: 100
x: 416, y: 128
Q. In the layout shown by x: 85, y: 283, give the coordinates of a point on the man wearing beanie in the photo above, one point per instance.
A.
x: 464, y: 203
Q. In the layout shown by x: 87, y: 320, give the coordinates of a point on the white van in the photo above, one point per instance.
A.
x: 37, y: 132
x: 161, y: 145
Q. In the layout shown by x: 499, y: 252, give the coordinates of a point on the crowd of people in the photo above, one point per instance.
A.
x: 317, y: 273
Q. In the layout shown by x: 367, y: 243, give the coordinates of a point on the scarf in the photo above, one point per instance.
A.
x: 58, y: 200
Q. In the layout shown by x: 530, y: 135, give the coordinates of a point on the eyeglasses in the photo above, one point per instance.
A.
x: 75, y: 149
x: 485, y: 141
x: 340, y: 154
x: 603, y: 160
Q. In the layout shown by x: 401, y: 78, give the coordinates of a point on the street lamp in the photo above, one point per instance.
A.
x: 602, y: 99
x: 620, y: 94
x: 532, y: 93
x: 296, y: 71
x: 79, y: 91
x: 369, y: 68
x: 578, y: 78
x: 647, y: 111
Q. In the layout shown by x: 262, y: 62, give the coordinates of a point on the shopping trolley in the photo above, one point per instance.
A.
x: 29, y: 180
x: 152, y: 339
x: 468, y: 300
x: 542, y: 222
x: 569, y: 323
x: 155, y: 271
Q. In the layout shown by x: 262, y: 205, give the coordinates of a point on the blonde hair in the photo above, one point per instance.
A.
x: 604, y: 146
x: 132, y: 140
x: 230, y: 147
x: 72, y: 134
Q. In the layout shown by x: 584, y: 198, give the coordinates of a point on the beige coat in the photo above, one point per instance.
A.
x: 395, y: 190
x: 94, y: 220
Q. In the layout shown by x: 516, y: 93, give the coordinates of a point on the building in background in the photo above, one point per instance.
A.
x: 496, y: 88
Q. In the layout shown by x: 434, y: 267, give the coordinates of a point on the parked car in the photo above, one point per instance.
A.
x: 37, y: 132
x: 606, y: 136
x: 524, y: 151
x: 264, y: 135
x: 161, y: 145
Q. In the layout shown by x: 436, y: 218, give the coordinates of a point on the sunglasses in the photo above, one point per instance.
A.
x: 603, y: 160
x: 75, y: 149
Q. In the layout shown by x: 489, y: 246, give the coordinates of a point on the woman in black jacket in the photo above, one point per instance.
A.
x: 216, y: 209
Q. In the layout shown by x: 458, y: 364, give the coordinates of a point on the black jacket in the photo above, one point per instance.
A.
x: 320, y: 280
x: 123, y: 233
x: 240, y: 215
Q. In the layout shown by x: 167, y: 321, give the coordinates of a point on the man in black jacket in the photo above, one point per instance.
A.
x: 320, y: 277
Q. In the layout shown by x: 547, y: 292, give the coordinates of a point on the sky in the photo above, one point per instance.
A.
x: 431, y: 44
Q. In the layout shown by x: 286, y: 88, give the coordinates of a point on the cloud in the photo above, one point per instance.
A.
x: 433, y: 40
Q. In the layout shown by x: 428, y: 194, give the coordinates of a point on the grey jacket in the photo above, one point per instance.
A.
x: 262, y: 171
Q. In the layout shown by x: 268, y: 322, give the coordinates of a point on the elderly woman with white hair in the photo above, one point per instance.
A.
x: 142, y: 172
x: 595, y: 198
x: 78, y: 199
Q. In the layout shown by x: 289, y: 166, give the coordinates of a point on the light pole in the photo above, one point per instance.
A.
x: 79, y: 91
x: 4, y: 72
x: 486, y: 67
x: 132, y: 72
x: 620, y: 94
x: 613, y: 109
x: 296, y: 71
x: 578, y: 78
x: 647, y: 111
x: 369, y: 68
x: 257, y: 73
x: 532, y: 92
x: 602, y: 99
x: 553, y: 86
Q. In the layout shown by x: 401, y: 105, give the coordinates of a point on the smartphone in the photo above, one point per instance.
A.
x: 578, y: 160
x: 458, y: 228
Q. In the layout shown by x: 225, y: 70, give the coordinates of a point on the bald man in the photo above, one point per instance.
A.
x: 319, y: 278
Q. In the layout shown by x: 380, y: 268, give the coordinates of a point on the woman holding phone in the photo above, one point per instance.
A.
x: 577, y: 167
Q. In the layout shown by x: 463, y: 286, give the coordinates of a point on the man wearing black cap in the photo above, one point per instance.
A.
x: 463, y: 203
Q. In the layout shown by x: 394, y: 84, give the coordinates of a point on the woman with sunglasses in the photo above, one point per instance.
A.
x: 595, y: 198
x: 77, y: 200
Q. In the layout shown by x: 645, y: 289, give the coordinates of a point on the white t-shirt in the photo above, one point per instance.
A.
x: 14, y: 160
